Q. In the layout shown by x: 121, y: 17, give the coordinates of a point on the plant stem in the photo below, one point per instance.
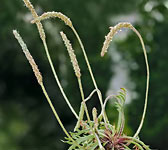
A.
x: 126, y: 147
x: 91, y: 94
x: 83, y: 100
x: 57, y: 80
x: 99, y: 142
x: 138, y: 145
x: 138, y: 141
x: 90, y: 70
x: 81, y: 114
x: 87, y: 114
x: 147, y: 82
x: 56, y: 115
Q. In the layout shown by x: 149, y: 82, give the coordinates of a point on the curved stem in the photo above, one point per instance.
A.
x: 137, y: 144
x: 138, y: 141
x: 147, y: 82
x: 103, y: 110
x: 89, y: 68
x: 126, y: 147
x: 91, y: 94
x: 57, y: 80
x: 104, y: 50
x: 84, y: 108
x: 109, y: 97
x: 104, y: 106
x: 85, y: 56
x: 83, y: 100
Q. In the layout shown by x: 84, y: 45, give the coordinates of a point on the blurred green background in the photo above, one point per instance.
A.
x: 26, y: 121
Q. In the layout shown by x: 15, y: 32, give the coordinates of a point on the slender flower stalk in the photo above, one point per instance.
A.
x: 57, y: 80
x: 39, y: 79
x: 77, y: 72
x: 43, y: 38
x: 69, y: 23
x: 91, y: 73
x: 96, y: 132
x: 108, y: 39
x: 78, y: 75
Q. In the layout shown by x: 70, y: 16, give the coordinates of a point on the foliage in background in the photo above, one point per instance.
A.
x: 41, y: 131
x: 88, y: 134
x: 154, y: 21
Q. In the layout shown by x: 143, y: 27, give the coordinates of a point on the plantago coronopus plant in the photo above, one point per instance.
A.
x: 95, y: 132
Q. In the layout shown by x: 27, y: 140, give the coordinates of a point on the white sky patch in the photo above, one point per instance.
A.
x: 132, y: 18
x: 166, y: 4
x: 149, y: 6
x: 158, y: 16
x: 121, y: 70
